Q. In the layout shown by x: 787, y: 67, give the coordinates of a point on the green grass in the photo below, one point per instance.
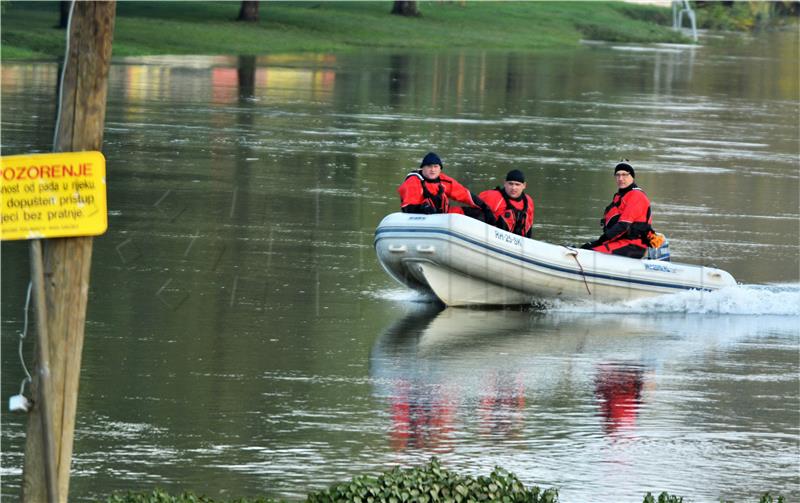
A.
x: 149, y: 28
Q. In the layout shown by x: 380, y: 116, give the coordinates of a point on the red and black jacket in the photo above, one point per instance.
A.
x: 513, y: 215
x: 627, y: 220
x: 420, y: 195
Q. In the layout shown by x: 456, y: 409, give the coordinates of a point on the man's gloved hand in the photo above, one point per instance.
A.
x: 424, y: 208
x: 597, y: 242
x: 488, y: 216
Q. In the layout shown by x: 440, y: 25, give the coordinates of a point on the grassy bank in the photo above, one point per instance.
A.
x: 148, y: 28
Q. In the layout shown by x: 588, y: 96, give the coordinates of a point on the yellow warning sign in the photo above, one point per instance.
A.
x: 53, y: 195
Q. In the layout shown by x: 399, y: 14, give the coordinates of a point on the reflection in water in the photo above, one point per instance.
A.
x: 619, y: 390
x: 398, y: 78
x: 246, y: 72
x: 422, y: 417
x: 502, y: 405
x: 421, y: 409
x: 425, y: 387
x: 618, y: 398
x: 219, y: 80
x: 434, y: 362
x: 224, y: 85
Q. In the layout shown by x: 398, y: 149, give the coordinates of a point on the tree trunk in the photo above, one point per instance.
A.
x: 248, y: 11
x: 405, y: 8
x: 67, y: 261
x: 64, y: 6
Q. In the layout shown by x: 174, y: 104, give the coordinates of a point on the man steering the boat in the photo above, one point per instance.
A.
x: 627, y: 220
x: 429, y: 191
x: 510, y: 205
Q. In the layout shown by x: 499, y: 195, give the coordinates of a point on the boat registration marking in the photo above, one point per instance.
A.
x: 505, y: 237
x: 659, y: 267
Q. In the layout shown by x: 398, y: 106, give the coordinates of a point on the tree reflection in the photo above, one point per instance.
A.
x: 398, y: 78
x: 246, y: 73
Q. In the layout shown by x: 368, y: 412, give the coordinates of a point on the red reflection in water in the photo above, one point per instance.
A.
x: 619, y: 389
x: 502, y: 404
x: 422, y: 418
x: 224, y: 85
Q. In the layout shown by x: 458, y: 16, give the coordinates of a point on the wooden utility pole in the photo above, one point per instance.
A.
x: 67, y: 260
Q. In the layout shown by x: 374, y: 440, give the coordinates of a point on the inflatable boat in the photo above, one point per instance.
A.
x: 465, y: 262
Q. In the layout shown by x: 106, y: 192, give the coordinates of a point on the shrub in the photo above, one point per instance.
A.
x: 664, y: 497
x: 431, y: 482
x: 423, y: 484
x: 160, y: 496
x: 767, y: 498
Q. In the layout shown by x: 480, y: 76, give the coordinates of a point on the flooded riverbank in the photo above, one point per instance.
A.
x: 241, y: 335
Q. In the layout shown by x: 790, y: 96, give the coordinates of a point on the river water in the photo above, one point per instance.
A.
x: 242, y: 339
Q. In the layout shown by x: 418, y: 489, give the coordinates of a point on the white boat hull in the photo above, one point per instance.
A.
x: 466, y: 262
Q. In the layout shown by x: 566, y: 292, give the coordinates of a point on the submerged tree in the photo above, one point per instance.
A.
x: 405, y: 8
x: 248, y: 11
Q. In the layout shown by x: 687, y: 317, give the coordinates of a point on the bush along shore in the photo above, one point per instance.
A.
x: 423, y: 484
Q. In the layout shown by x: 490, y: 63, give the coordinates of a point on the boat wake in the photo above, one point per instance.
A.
x: 403, y: 295
x: 775, y: 299
x: 778, y: 299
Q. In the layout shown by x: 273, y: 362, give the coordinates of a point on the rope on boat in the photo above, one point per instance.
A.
x: 574, y: 254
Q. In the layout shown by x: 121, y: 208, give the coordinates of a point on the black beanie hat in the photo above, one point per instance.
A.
x: 624, y: 166
x: 515, y: 175
x: 431, y: 158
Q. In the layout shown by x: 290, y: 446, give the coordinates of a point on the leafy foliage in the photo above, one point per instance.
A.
x: 160, y: 496
x: 423, y: 484
x: 431, y: 482
x: 740, y: 15
x: 664, y: 497
x: 767, y: 498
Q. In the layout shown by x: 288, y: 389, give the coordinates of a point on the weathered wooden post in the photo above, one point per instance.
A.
x: 67, y: 261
